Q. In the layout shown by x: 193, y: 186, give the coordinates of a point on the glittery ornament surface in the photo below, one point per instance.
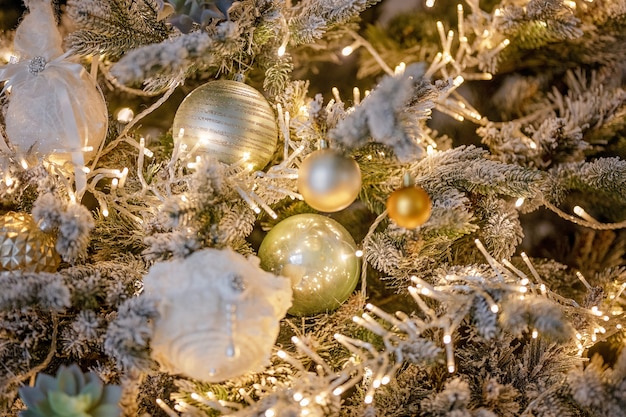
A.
x: 229, y: 120
x: 319, y: 256
x: 24, y: 247
x: 37, y: 64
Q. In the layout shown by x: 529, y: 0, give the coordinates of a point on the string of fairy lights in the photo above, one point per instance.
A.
x: 374, y: 368
x: 368, y: 366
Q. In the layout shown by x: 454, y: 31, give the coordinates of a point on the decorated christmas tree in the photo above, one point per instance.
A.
x: 313, y: 208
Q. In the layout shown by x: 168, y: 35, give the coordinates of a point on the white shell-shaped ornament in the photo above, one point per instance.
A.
x: 219, y: 314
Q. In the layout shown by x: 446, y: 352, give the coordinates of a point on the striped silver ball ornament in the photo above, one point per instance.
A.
x: 229, y: 120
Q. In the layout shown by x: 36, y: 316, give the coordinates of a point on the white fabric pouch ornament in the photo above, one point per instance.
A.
x: 56, y: 110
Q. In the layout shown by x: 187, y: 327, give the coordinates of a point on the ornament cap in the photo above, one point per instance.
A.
x: 407, y: 180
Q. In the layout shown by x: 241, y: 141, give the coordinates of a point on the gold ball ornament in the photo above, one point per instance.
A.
x: 328, y: 180
x: 409, y: 207
x: 229, y: 120
x: 318, y: 255
x: 24, y: 246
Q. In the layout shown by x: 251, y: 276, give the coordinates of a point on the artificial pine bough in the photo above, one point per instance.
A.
x: 507, y: 301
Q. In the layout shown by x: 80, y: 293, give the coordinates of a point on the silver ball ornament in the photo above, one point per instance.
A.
x: 318, y: 255
x: 229, y: 120
x: 328, y: 180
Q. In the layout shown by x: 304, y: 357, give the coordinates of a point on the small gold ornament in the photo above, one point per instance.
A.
x: 25, y: 247
x: 409, y: 206
x: 328, y: 180
x: 318, y: 255
x: 229, y: 120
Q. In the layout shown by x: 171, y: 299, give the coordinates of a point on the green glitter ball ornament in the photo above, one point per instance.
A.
x: 318, y: 255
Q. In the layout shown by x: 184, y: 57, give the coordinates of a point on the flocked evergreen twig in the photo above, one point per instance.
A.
x: 113, y: 28
x: 458, y: 328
